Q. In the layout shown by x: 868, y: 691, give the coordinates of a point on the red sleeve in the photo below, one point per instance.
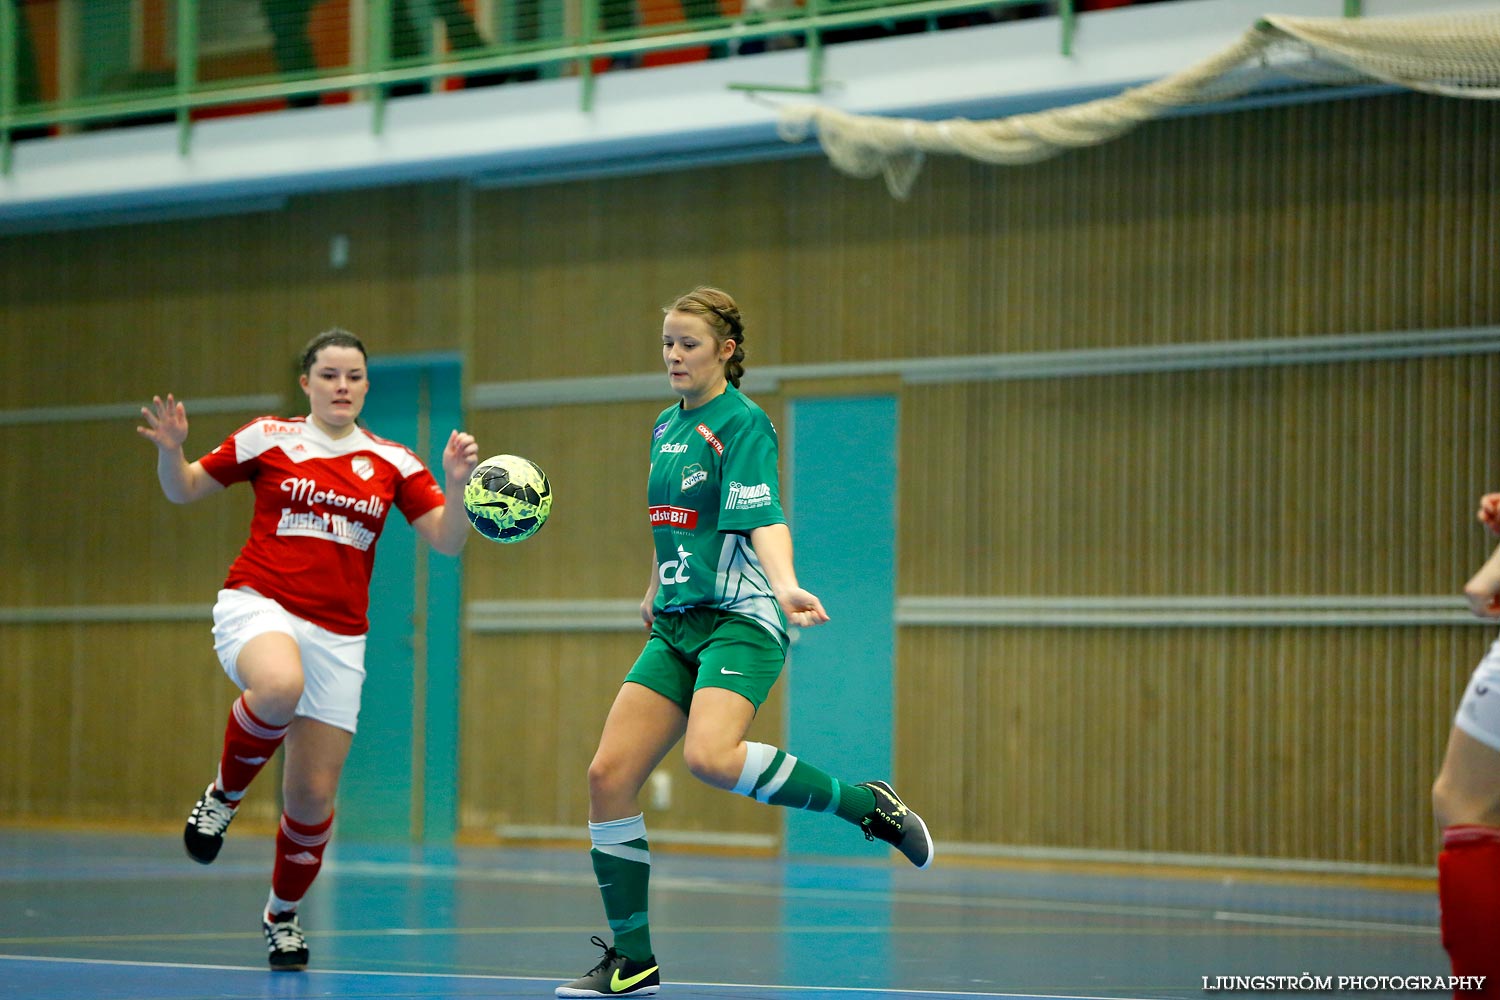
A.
x: 223, y: 462
x: 418, y: 494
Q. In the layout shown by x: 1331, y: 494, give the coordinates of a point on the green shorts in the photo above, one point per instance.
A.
x: 705, y: 647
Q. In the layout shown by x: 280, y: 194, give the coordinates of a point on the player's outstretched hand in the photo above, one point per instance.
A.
x: 1489, y: 512
x: 802, y: 608
x: 166, y: 423
x: 460, y: 456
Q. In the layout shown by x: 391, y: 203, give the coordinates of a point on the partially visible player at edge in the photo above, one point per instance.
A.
x: 721, y: 591
x: 290, y: 623
x: 1466, y: 799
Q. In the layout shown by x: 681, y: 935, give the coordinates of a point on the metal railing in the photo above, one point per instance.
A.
x: 188, y: 76
x: 181, y: 88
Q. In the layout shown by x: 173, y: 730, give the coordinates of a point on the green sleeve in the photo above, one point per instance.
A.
x: 750, y: 486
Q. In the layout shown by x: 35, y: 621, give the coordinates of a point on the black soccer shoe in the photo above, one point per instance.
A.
x: 286, y: 945
x: 615, y: 976
x: 892, y: 822
x: 204, y: 834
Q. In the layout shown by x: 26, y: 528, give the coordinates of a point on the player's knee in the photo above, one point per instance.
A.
x: 311, y: 798
x: 606, y: 779
x: 710, y: 764
x: 1453, y: 804
x: 274, y: 696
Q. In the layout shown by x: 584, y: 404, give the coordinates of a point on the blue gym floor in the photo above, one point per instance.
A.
x: 129, y: 917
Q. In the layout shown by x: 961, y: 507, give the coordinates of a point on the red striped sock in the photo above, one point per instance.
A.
x: 299, y: 855
x: 248, y: 744
x: 1469, y: 896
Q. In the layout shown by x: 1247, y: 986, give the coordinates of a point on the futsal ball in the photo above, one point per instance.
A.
x: 507, y: 498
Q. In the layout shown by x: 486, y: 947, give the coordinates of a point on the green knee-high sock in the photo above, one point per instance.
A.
x: 622, y: 864
x: 777, y: 778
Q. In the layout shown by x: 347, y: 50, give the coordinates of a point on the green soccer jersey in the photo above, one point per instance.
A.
x: 713, y: 480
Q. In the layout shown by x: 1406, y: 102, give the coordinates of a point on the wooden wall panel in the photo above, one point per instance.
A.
x: 1356, y: 478
x: 1345, y: 217
x: 533, y: 708
x: 597, y: 541
x: 570, y: 280
x: 1196, y: 229
x: 134, y: 548
x: 223, y: 306
x: 115, y: 723
x: 1315, y: 743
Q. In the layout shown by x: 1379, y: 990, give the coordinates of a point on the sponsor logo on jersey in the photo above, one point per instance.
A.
x: 363, y: 467
x: 329, y: 527
x: 742, y: 497
x: 673, y: 449
x: 277, y: 427
x: 692, y: 478
x: 661, y: 429
x: 674, y: 570
x: 708, y: 436
x: 306, y: 490
x: 663, y: 515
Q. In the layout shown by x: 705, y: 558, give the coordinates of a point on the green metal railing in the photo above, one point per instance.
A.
x: 804, y: 24
x: 8, y: 40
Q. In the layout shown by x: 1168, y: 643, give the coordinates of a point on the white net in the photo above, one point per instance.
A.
x: 1457, y: 55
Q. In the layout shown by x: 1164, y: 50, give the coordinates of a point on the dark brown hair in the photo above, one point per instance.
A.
x: 716, y: 308
x: 333, y: 337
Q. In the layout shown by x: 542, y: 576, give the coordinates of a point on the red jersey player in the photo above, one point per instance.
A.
x: 1466, y: 800
x: 289, y: 625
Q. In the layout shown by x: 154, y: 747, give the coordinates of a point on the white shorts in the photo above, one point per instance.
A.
x: 333, y: 665
x: 1479, y: 710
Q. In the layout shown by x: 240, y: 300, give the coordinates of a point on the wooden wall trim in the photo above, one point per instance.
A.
x: 1172, y: 859
x: 76, y: 614
x: 622, y: 615
x: 1176, y: 611
x: 1166, y: 611
x: 256, y: 404
x: 706, y: 838
x: 1199, y: 356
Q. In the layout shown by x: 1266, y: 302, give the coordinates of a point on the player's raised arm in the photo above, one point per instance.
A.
x: 167, y: 428
x: 446, y: 528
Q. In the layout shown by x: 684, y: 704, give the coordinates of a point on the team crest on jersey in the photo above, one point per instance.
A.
x: 363, y: 467
x: 692, y: 478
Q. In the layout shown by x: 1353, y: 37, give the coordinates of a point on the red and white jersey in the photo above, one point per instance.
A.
x: 320, y: 504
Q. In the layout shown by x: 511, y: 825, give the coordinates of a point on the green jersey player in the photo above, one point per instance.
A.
x: 705, y: 500
x: 721, y: 594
